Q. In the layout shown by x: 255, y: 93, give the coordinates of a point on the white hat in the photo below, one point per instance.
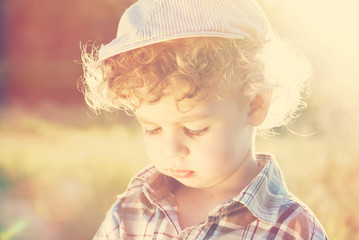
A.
x: 152, y: 21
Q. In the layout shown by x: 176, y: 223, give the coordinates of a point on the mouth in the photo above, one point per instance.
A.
x: 181, y: 173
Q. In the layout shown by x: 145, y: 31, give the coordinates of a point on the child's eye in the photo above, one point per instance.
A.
x: 195, y: 133
x: 153, y: 132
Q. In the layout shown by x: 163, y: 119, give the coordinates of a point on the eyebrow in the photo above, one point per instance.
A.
x: 191, y: 118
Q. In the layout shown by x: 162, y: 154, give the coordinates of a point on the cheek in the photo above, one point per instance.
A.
x: 150, y: 148
x: 221, y: 143
x: 223, y: 147
x: 210, y: 155
x: 153, y: 150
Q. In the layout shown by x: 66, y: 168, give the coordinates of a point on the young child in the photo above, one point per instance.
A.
x: 201, y: 76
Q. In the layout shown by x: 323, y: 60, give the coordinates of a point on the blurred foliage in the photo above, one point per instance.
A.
x: 42, y: 40
x: 61, y: 179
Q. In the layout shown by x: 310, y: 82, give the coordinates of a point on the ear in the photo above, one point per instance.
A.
x: 258, y: 109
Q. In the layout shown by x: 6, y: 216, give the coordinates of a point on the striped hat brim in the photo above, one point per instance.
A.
x: 152, y: 21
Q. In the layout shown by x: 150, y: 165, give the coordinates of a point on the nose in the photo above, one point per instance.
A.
x: 175, y: 147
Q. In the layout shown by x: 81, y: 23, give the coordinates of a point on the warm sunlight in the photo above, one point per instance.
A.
x: 61, y: 167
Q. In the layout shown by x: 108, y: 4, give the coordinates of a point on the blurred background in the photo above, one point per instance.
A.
x: 61, y: 166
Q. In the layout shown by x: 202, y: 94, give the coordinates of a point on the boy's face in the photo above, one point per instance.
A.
x: 203, y: 147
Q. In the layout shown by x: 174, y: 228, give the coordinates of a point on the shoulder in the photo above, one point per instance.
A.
x: 129, y: 202
x: 296, y: 221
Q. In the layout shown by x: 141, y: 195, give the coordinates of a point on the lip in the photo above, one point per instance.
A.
x: 177, y: 173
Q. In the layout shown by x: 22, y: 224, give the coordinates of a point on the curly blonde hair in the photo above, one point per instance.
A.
x: 186, y: 68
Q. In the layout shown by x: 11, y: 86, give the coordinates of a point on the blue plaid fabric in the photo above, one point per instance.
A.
x: 263, y: 210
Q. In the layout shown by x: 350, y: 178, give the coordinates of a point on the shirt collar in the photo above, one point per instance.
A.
x: 156, y: 186
x: 263, y: 196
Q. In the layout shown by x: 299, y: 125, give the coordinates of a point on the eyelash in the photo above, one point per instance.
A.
x: 153, y: 132
x: 188, y: 132
x: 195, y: 133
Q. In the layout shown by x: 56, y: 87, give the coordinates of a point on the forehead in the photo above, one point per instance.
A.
x: 167, y: 109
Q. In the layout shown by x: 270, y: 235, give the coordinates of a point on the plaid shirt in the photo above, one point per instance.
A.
x: 263, y: 210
